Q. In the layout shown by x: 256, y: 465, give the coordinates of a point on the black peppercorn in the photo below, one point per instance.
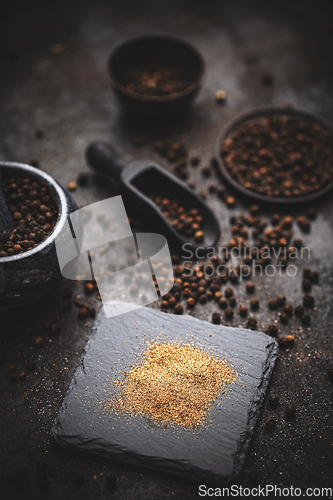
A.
x: 272, y: 304
x: 223, y: 303
x: 232, y: 301
x: 229, y: 292
x: 270, y: 424
x: 272, y: 330
x: 290, y: 411
x: 203, y: 299
x: 216, y: 318
x: 308, y: 301
x: 179, y: 309
x: 252, y: 323
x: 255, y: 304
x: 284, y: 318
x: 288, y: 309
x: 299, y: 311
x: 243, y: 310
x: 281, y: 300
x: 314, y: 276
x: 228, y: 314
x: 190, y: 302
x: 39, y: 342
x: 306, y: 285
x: 250, y: 287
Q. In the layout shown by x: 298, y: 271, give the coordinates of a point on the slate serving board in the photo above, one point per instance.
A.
x: 215, y: 451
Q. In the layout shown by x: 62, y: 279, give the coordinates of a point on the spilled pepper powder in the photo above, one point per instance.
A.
x: 173, y: 383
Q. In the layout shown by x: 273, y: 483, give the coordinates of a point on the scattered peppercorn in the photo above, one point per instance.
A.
x: 314, y: 276
x: 83, y: 313
x: 220, y: 96
x: 250, y: 287
x: 228, y: 314
x: 216, y: 318
x: 273, y: 304
x: 288, y: 309
x: 290, y: 339
x: 232, y: 301
x: 89, y: 288
x: 281, y: 300
x: 272, y: 330
x: 270, y: 424
x: 255, y: 304
x: 179, y: 309
x: 190, y: 302
x: 72, y: 185
x: 306, y: 285
x: 284, y: 318
x: 223, y: 303
x: 308, y: 301
x: 243, y: 310
x: 252, y: 323
x: 229, y: 292
x: 39, y: 342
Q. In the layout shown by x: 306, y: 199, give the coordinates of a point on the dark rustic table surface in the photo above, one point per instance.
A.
x: 52, y: 106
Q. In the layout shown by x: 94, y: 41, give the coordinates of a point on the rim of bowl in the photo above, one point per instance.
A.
x: 62, y: 203
x: 157, y: 99
x: 262, y: 112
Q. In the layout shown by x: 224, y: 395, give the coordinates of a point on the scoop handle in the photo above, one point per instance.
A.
x: 6, y: 221
x: 104, y: 158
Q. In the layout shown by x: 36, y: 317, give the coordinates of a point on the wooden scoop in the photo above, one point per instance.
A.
x: 138, y: 180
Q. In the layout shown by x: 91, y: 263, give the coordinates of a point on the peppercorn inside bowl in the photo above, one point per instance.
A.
x: 28, y: 259
x: 279, y: 156
x: 156, y: 74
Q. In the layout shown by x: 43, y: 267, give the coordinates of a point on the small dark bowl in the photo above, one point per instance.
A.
x: 161, y: 49
x: 228, y: 130
x: 28, y: 276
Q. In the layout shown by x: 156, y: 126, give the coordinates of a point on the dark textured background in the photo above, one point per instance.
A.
x: 68, y: 96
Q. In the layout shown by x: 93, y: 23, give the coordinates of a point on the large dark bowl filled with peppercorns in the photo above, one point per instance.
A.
x: 39, y: 207
x: 156, y: 74
x: 277, y: 155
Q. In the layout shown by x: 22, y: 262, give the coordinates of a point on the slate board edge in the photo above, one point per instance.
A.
x: 170, y: 467
x: 253, y: 414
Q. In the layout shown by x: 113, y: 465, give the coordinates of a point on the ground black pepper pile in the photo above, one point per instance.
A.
x: 33, y: 211
x: 280, y: 156
x: 156, y: 80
